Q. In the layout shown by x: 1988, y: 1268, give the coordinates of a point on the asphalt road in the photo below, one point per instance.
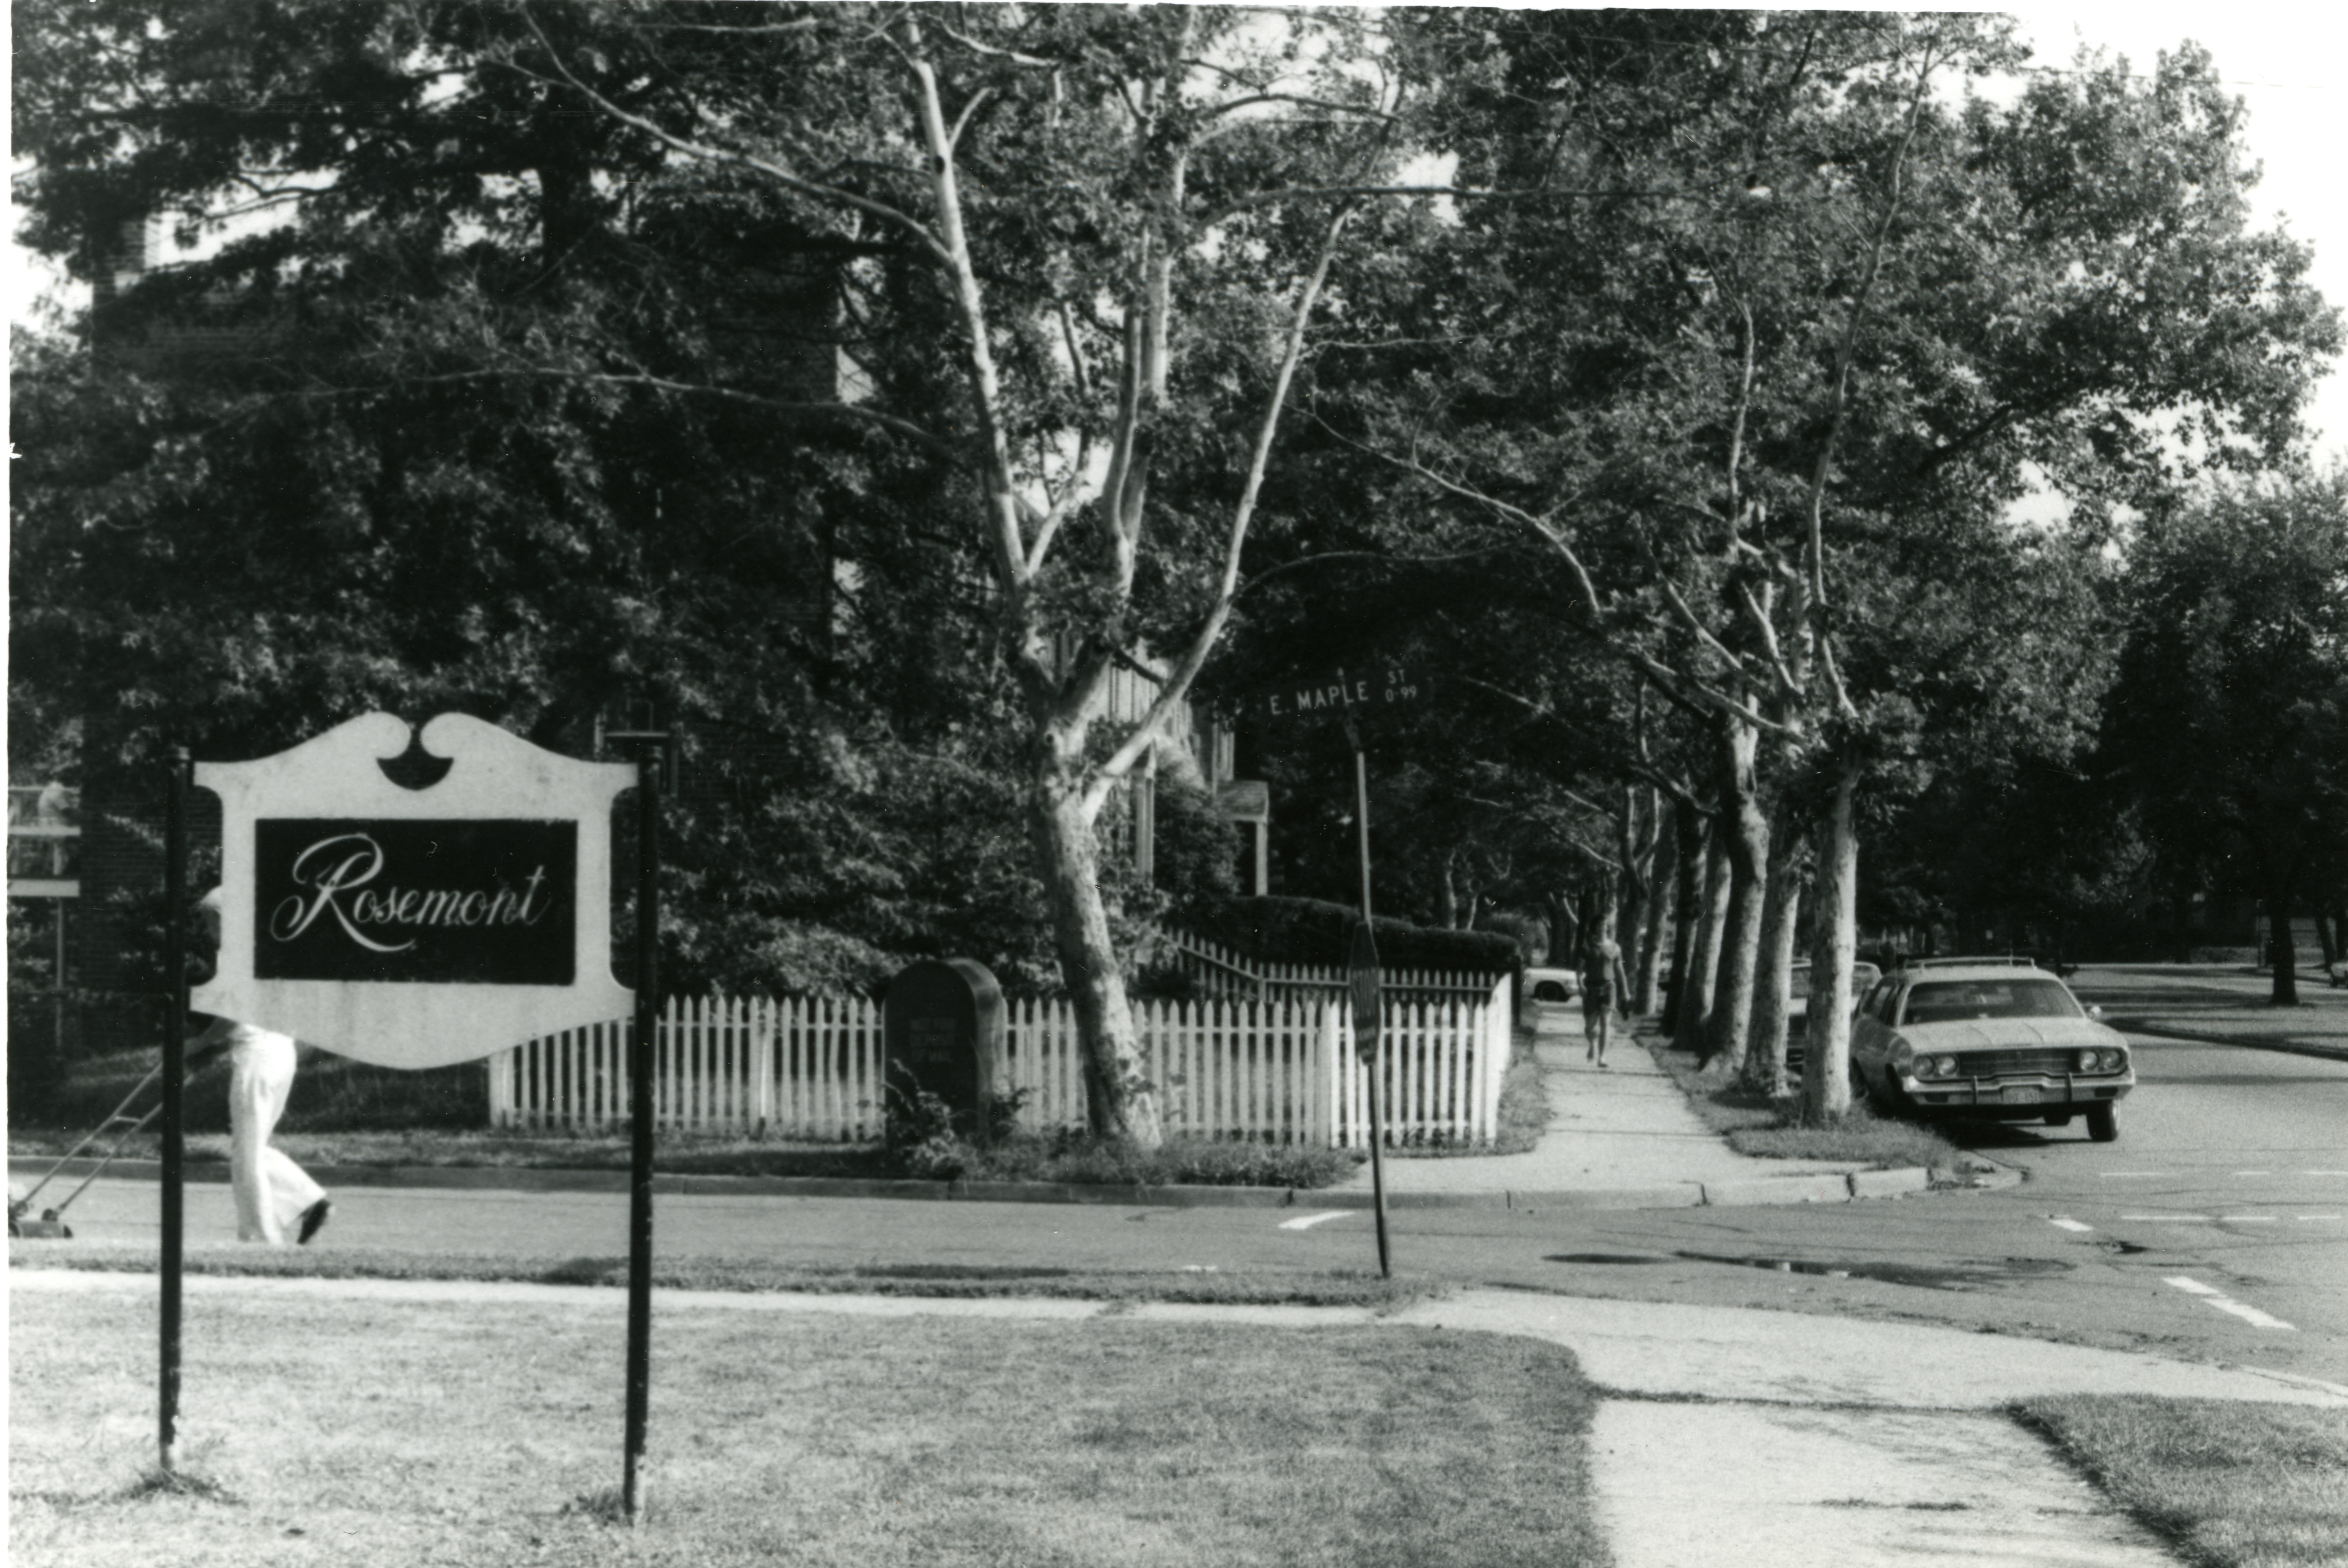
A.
x: 2215, y: 1230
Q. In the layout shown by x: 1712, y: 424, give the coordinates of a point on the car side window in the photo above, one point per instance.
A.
x: 1875, y: 1007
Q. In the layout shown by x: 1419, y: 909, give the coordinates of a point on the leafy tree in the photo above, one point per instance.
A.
x: 1067, y: 255
x: 1808, y: 328
x: 420, y: 446
x: 2231, y: 713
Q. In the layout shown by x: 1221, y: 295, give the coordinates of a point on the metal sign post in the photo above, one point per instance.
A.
x: 1367, y: 1007
x: 175, y: 1131
x: 640, y: 1113
x: 1312, y: 695
x: 1368, y: 1000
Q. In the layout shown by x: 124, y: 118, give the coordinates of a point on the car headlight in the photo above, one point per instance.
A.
x: 2105, y: 1060
x: 1935, y: 1066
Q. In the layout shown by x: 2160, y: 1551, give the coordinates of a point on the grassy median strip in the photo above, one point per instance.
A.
x: 365, y: 1431
x: 1774, y: 1130
x: 2233, y: 1485
x: 1254, y: 1287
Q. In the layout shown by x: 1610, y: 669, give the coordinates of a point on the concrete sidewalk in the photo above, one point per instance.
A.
x: 1803, y: 1441
x: 1619, y: 1137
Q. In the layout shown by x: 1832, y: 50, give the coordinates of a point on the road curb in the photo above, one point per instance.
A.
x: 1759, y: 1191
x: 1749, y: 1191
x: 2289, y: 1048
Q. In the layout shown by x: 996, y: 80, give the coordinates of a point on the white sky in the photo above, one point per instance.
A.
x: 2285, y: 62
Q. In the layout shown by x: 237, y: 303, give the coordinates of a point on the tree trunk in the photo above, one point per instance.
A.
x: 1119, y: 1099
x: 1660, y: 911
x: 1565, y: 931
x: 2283, y: 951
x: 1704, y: 959
x: 1826, y: 1056
x: 1638, y: 853
x: 1687, y: 898
x: 1729, y: 1030
x: 1773, y: 994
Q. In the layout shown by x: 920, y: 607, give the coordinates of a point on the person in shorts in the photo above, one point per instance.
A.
x: 1598, y: 977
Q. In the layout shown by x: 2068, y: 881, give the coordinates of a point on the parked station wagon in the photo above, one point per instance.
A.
x: 1989, y: 1040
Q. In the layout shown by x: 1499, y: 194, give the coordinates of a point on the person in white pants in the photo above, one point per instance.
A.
x: 272, y: 1194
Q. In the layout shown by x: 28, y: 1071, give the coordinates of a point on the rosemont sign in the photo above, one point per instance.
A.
x: 416, y: 927
x: 480, y: 902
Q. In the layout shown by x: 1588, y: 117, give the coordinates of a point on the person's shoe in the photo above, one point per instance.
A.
x: 314, y: 1217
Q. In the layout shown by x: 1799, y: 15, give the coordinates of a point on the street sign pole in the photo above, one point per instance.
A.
x: 641, y: 1110
x: 1368, y: 1001
x: 175, y: 1138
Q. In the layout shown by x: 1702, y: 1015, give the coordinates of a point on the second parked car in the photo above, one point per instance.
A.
x: 1989, y: 1038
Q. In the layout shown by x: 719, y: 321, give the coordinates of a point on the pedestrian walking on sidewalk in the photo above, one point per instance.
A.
x: 272, y: 1194
x: 1598, y: 977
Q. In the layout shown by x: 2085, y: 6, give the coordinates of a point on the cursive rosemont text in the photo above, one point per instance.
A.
x: 337, y: 871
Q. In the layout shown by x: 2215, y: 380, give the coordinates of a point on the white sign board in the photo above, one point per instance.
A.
x: 414, y: 928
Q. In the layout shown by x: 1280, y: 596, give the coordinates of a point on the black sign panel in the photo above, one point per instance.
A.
x: 1335, y: 691
x: 487, y: 902
x: 1362, y: 976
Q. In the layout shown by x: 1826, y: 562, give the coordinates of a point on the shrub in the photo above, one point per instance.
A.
x: 1313, y: 931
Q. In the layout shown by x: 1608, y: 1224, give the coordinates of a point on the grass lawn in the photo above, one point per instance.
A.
x: 2234, y: 1486
x: 1251, y: 1288
x: 1754, y: 1124
x: 366, y: 1431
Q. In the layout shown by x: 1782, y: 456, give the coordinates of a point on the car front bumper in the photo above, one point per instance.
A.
x: 2018, y: 1098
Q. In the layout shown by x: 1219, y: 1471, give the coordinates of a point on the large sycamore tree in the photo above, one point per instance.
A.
x: 1120, y: 227
x: 1067, y: 262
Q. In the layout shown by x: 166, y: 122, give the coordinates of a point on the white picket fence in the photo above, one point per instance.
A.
x: 1220, y: 969
x: 1282, y: 1071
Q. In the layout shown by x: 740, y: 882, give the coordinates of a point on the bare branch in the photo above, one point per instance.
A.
x: 1194, y: 657
x: 708, y: 152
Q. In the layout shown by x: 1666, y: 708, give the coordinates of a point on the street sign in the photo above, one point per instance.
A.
x: 1361, y: 968
x: 1340, y: 690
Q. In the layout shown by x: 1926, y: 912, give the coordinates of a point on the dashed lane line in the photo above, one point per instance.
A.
x: 2068, y: 1224
x: 2224, y: 1303
x: 1306, y: 1222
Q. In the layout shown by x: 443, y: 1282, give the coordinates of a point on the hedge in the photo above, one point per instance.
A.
x: 1314, y: 930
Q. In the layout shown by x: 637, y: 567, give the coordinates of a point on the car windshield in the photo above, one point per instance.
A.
x: 1945, y: 1000
x: 1862, y: 975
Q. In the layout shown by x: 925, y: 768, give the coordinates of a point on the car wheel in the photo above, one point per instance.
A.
x: 2104, y: 1123
x: 2058, y: 1119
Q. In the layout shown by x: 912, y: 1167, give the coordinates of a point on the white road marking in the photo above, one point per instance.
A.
x: 2253, y: 1172
x: 2125, y: 1175
x: 2169, y: 1219
x: 2068, y: 1224
x: 1306, y: 1222
x: 2224, y: 1303
x: 2250, y: 1219
x: 2325, y: 1172
x: 2316, y: 1216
